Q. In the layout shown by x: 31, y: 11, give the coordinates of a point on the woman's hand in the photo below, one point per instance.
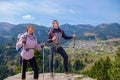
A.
x: 42, y: 44
x: 23, y: 40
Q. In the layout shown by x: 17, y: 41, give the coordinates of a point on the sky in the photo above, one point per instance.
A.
x: 43, y: 12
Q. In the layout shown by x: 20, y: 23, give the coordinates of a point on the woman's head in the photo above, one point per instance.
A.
x: 55, y: 24
x: 30, y: 29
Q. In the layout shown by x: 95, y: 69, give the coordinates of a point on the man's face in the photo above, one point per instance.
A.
x: 55, y: 24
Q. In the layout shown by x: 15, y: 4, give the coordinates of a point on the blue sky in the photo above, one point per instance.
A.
x: 42, y: 12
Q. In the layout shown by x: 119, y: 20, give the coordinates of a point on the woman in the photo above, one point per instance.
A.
x: 28, y: 42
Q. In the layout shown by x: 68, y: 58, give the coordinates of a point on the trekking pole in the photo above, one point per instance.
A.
x: 23, y: 44
x: 43, y: 63
x: 54, y: 62
x: 73, y: 54
x: 73, y: 47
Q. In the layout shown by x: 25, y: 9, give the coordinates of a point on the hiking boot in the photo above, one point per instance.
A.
x: 51, y: 74
x: 68, y: 73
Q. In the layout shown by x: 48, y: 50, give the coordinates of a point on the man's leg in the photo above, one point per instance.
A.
x: 33, y: 64
x: 24, y: 66
x: 51, y: 59
x: 65, y: 57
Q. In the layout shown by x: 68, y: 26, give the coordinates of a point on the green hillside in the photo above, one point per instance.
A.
x: 91, y: 49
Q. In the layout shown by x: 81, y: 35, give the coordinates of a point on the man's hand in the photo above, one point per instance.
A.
x: 54, y: 38
x: 74, y: 35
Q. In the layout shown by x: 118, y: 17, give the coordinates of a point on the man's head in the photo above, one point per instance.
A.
x: 55, y: 24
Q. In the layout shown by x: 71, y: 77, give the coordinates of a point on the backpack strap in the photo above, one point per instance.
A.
x: 61, y: 31
x: 51, y: 33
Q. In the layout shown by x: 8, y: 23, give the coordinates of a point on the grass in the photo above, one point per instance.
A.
x: 91, y: 56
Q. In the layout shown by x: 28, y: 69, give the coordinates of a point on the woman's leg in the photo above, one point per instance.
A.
x: 24, y: 66
x: 33, y: 64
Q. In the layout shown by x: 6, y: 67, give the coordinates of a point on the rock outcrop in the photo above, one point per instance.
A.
x: 57, y: 76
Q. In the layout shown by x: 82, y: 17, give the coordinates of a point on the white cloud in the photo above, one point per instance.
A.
x: 41, y: 7
x: 12, y: 8
x: 28, y: 17
x: 17, y: 10
x: 47, y: 7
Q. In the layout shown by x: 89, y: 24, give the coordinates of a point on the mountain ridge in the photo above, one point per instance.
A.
x: 102, y: 31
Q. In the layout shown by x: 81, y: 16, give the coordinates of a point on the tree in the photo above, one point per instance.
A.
x: 78, y: 65
x: 114, y: 71
x: 100, y: 69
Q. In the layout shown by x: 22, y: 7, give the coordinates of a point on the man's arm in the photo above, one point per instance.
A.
x: 51, y: 37
x: 66, y: 37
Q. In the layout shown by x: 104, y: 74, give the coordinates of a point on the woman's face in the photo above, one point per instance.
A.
x: 55, y: 24
x: 31, y: 29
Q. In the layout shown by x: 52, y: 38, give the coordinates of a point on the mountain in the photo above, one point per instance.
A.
x: 107, y: 31
x: 79, y: 29
x: 21, y: 28
x: 83, y: 31
x: 6, y: 26
x: 2, y: 39
x: 10, y: 58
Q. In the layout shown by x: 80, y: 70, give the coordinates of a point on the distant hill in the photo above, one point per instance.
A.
x: 106, y: 31
x: 102, y: 31
x: 6, y: 26
x: 79, y: 29
x: 21, y: 28
x: 9, y: 32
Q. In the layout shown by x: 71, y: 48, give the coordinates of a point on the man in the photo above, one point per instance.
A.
x: 55, y: 39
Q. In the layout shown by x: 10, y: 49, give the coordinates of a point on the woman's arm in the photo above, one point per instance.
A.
x: 19, y: 44
x: 39, y: 46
